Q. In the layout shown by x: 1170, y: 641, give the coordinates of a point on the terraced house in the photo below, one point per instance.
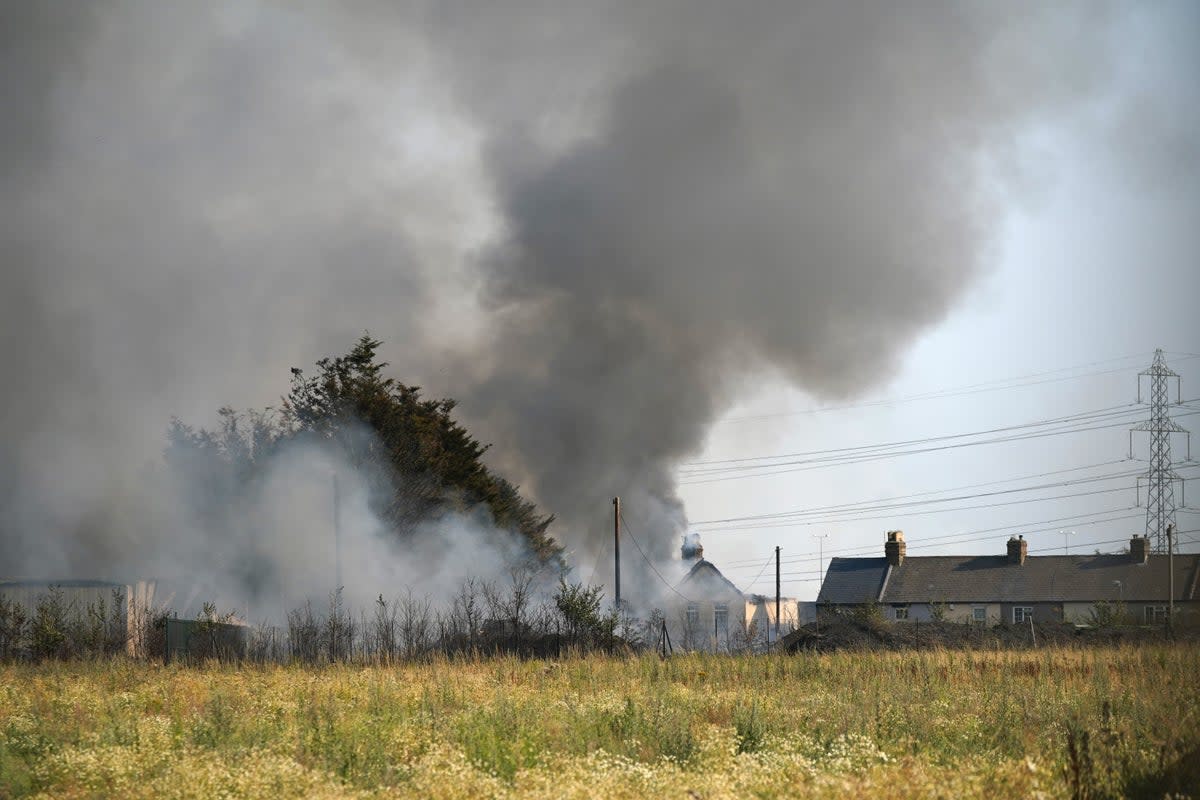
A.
x: 1016, y: 587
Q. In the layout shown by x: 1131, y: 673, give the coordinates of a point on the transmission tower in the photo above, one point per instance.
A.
x: 1160, y: 479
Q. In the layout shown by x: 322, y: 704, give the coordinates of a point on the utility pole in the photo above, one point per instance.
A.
x: 1160, y: 478
x: 1170, y: 580
x: 1067, y: 541
x: 777, y: 593
x: 820, y: 537
x: 337, y: 536
x: 617, y: 548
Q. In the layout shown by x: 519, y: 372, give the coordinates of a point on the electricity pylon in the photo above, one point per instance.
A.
x: 1160, y: 479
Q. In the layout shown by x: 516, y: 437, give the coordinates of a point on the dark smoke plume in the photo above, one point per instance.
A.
x: 800, y: 189
x: 593, y: 224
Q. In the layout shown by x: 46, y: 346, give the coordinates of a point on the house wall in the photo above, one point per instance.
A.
x: 1187, y: 612
x: 965, y: 613
x: 917, y: 612
x: 760, y: 618
x: 950, y: 612
x: 1079, y: 612
x: 1187, y: 615
x: 704, y: 634
x: 1042, y: 612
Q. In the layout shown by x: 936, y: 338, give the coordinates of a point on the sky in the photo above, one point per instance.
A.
x: 628, y: 238
x: 1098, y: 264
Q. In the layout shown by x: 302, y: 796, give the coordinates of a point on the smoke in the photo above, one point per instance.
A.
x: 595, y: 227
x: 302, y: 526
x: 803, y: 190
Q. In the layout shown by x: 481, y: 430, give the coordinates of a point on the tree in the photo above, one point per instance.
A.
x: 420, y: 463
x: 579, y: 607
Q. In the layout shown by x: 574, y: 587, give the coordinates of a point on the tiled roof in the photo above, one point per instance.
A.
x: 1082, y: 578
x: 853, y: 580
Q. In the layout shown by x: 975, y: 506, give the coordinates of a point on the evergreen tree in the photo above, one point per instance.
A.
x: 422, y: 463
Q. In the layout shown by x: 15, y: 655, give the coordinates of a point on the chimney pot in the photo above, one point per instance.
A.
x: 895, y: 548
x: 1018, y: 549
x: 1139, y: 549
x: 691, y: 550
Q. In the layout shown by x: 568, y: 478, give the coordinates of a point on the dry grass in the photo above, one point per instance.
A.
x: 1056, y: 723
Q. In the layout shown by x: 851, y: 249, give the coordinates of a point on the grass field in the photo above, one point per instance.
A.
x: 1054, y: 723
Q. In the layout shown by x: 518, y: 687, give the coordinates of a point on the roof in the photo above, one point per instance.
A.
x: 853, y: 580
x: 702, y: 569
x: 1068, y: 578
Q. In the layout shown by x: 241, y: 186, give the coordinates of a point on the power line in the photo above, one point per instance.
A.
x: 1077, y: 418
x: 596, y: 563
x: 986, y: 483
x: 1107, y: 541
x: 649, y: 563
x: 802, y: 516
x: 800, y: 522
x: 959, y: 537
x: 1039, y: 550
x: 963, y: 537
x: 1082, y: 416
x: 902, y: 501
x: 1067, y: 424
x: 852, y: 514
x: 770, y: 558
x: 967, y: 537
x: 1017, y: 382
x: 822, y: 463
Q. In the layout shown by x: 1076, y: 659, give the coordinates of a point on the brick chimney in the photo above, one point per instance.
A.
x: 895, y: 548
x: 1139, y: 549
x: 1018, y: 549
x: 691, y: 550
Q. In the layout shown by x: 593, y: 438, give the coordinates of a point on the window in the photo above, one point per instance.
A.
x: 900, y: 612
x: 1156, y: 615
x: 979, y: 614
x: 721, y: 617
x: 1022, y: 614
x: 693, y: 615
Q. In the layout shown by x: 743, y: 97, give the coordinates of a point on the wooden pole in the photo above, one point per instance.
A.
x: 337, y: 536
x: 617, y: 549
x: 1170, y: 579
x: 776, y: 593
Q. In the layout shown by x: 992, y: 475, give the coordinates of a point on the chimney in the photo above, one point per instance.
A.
x: 895, y: 548
x: 1139, y: 549
x: 1018, y: 549
x: 692, y: 550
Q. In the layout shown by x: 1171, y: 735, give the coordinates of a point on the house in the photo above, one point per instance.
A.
x: 1015, y: 587
x: 709, y: 612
